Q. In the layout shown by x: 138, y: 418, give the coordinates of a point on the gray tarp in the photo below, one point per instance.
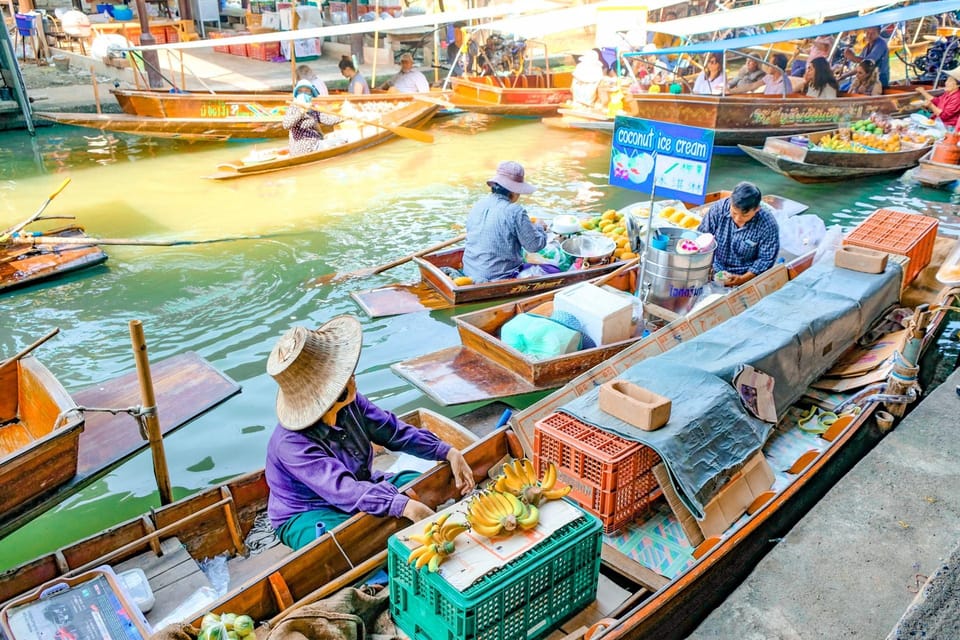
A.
x: 794, y: 335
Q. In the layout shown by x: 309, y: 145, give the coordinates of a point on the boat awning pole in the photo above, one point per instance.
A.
x: 148, y: 415
x: 642, y: 289
x: 9, y: 56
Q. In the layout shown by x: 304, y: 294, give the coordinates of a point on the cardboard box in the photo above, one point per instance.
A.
x: 634, y: 405
x: 687, y: 522
x: 860, y: 259
x: 604, y: 317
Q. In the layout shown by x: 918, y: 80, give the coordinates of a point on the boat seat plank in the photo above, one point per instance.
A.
x: 398, y: 299
x: 185, y: 386
x: 173, y: 576
x: 243, y: 568
x: 14, y: 437
x: 630, y: 568
x: 457, y: 375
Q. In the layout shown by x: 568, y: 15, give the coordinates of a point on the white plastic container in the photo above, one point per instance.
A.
x: 135, y: 582
x: 605, y: 317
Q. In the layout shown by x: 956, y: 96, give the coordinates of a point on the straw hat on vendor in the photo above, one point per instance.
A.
x: 313, y: 368
x: 510, y: 176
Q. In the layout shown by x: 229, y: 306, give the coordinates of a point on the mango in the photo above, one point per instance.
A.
x: 462, y: 281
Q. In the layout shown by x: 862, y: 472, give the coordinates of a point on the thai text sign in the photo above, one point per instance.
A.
x: 673, y: 158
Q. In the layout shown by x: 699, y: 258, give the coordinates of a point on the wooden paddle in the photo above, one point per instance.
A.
x: 371, y: 271
x: 30, y: 348
x: 14, y: 229
x: 403, y: 132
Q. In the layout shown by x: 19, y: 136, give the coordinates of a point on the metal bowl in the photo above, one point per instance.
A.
x: 591, y: 248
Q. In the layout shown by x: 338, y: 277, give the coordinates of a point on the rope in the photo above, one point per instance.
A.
x: 137, y: 413
x: 342, y: 552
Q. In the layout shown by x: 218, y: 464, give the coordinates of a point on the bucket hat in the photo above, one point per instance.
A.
x: 305, y: 84
x: 312, y: 367
x: 510, y: 176
x: 954, y: 73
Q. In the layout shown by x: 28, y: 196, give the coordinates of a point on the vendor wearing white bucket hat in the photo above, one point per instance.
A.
x: 946, y: 106
x: 320, y: 454
x: 499, y: 230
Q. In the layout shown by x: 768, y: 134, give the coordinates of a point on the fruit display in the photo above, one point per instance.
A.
x: 876, y: 133
x: 612, y: 224
x: 436, y: 542
x: 226, y: 626
x: 494, y: 513
x: 519, y: 478
x: 680, y: 218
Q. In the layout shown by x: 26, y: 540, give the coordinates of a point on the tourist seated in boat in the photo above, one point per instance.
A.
x: 747, y: 235
x: 876, y: 50
x: 356, y: 83
x: 408, y: 79
x: 303, y: 122
x: 499, y: 230
x: 748, y: 76
x: 711, y: 80
x: 946, y: 106
x: 587, y: 76
x: 819, y: 81
x: 320, y: 454
x: 866, y: 79
x: 772, y: 80
x: 305, y: 73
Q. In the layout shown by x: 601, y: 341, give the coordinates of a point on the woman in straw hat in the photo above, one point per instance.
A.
x: 320, y: 455
x: 946, y: 106
x: 498, y: 229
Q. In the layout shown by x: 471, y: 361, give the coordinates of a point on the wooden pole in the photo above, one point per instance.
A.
x: 376, y: 45
x: 151, y: 420
x: 294, y: 23
x: 96, y: 89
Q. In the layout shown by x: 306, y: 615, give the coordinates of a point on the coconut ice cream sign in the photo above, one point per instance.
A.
x: 673, y: 159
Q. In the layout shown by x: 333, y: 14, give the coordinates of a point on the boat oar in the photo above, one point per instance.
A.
x: 33, y: 346
x: 371, y: 271
x: 403, y: 132
x: 14, y: 229
x: 41, y: 239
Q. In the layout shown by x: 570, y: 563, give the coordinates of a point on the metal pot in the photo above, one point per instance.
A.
x: 589, y: 249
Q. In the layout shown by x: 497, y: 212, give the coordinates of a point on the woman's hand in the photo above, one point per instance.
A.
x: 416, y: 511
x: 462, y: 473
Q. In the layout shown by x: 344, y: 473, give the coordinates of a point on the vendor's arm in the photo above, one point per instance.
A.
x: 708, y: 224
x: 532, y: 236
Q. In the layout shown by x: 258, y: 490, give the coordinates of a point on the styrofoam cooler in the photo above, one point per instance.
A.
x: 604, y: 317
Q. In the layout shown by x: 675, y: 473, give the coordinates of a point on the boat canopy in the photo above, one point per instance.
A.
x: 804, y: 33
x: 407, y: 22
x: 781, y: 11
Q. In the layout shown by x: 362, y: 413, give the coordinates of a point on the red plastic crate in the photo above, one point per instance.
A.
x: 238, y: 49
x: 611, y: 477
x: 906, y: 234
x: 215, y: 35
x: 266, y: 51
x: 172, y: 34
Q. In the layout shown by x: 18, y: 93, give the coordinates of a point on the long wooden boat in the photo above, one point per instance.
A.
x: 533, y: 95
x: 437, y: 290
x: 807, y: 165
x: 409, y: 113
x: 49, y: 461
x: 22, y: 265
x: 211, y: 522
x: 196, y: 129
x: 939, y: 175
x: 749, y: 119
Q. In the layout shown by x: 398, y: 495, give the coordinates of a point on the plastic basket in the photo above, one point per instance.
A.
x: 525, y: 600
x: 905, y: 234
x: 611, y: 477
x: 215, y: 35
x: 265, y: 51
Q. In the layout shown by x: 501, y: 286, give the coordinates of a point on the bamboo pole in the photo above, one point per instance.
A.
x: 96, y: 89
x: 293, y: 44
x: 376, y: 45
x: 150, y: 419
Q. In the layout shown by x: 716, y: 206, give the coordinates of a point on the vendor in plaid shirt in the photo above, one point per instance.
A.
x: 747, y: 236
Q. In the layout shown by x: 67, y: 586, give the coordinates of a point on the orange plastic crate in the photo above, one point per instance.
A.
x: 172, y: 34
x: 905, y: 234
x: 611, y: 477
x: 266, y: 51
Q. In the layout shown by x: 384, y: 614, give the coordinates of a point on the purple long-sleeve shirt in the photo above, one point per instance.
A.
x: 333, y: 468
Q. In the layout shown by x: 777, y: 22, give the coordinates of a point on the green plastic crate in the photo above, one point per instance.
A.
x: 527, y: 599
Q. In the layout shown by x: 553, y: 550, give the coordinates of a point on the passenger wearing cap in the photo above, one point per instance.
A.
x: 772, y: 81
x: 946, y: 106
x: 320, y: 455
x: 408, y: 80
x: 304, y: 72
x: 303, y: 122
x: 499, y: 230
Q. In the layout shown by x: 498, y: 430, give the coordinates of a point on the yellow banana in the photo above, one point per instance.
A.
x: 515, y: 504
x: 434, y: 564
x: 529, y: 471
x: 422, y: 538
x: 514, y: 483
x: 479, y: 512
x: 556, y: 494
x: 443, y: 518
x: 451, y: 530
x: 504, y: 506
x: 549, y: 477
x: 416, y: 553
x: 501, y: 484
x: 530, y: 518
x: 424, y: 558
x: 489, y: 532
x: 492, y: 505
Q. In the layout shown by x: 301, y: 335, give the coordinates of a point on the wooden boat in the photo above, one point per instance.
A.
x: 533, y: 95
x: 937, y: 174
x: 22, y: 265
x: 197, y: 129
x: 437, y: 290
x: 410, y: 113
x: 211, y: 522
x: 44, y: 461
x: 807, y: 165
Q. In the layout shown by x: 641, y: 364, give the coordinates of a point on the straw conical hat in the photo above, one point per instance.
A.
x: 312, y: 368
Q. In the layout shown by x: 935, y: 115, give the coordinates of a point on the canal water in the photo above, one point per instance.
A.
x: 230, y: 301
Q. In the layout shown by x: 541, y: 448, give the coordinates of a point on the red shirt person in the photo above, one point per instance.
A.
x: 946, y: 106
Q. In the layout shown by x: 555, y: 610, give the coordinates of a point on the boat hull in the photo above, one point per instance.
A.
x: 937, y: 174
x: 22, y: 265
x: 199, y: 129
x: 522, y: 95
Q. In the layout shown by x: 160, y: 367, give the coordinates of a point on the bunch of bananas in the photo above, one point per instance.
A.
x: 495, y: 513
x: 436, y: 542
x: 520, y: 479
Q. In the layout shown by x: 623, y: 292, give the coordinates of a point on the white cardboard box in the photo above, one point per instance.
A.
x: 605, y: 317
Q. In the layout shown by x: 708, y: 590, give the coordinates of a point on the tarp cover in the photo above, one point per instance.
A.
x: 794, y: 335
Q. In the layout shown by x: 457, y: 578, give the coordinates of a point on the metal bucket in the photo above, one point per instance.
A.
x: 676, y: 281
x: 589, y: 249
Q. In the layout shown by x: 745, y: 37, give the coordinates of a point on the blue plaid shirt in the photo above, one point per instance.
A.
x: 497, y: 233
x: 753, y: 247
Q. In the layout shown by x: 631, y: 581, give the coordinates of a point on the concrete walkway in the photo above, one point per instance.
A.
x: 856, y: 561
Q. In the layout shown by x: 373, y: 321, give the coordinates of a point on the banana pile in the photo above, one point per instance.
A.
x: 436, y: 542
x: 494, y: 513
x: 520, y: 479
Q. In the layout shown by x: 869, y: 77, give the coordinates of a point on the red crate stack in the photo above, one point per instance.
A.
x: 218, y: 34
x: 266, y: 51
x: 905, y: 234
x: 611, y: 477
x: 172, y: 34
x: 238, y: 49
